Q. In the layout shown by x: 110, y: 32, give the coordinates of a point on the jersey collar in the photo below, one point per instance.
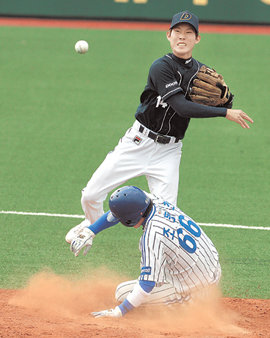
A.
x: 182, y: 61
x: 150, y: 216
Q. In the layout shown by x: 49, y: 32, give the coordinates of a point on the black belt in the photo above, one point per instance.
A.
x: 158, y: 137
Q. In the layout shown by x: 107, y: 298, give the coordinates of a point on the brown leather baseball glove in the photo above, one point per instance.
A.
x: 210, y: 89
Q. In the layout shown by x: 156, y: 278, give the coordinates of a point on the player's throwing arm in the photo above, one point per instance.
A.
x: 239, y: 117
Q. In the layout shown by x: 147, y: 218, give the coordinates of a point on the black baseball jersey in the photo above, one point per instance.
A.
x: 170, y: 75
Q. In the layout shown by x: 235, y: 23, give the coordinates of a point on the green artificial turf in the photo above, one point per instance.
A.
x: 62, y: 112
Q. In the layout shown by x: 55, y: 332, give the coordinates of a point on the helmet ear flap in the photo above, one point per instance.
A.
x: 129, y: 223
x: 148, y: 210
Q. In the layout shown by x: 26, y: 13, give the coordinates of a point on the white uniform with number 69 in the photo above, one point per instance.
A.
x: 176, y: 254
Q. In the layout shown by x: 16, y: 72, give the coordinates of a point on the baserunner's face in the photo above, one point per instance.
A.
x: 182, y: 40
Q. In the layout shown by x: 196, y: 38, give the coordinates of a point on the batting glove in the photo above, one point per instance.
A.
x: 116, y: 312
x: 83, y: 240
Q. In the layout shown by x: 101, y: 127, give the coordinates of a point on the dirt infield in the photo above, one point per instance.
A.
x: 55, y: 306
x: 130, y: 25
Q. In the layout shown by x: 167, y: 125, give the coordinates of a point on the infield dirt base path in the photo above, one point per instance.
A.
x: 54, y: 306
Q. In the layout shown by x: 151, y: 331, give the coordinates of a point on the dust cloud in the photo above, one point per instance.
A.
x: 52, y: 295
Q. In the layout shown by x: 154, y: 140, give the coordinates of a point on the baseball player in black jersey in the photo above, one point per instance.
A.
x: 153, y: 145
x: 178, y: 260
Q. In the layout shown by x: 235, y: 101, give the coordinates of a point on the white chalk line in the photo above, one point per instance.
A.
x: 82, y: 216
x: 40, y: 214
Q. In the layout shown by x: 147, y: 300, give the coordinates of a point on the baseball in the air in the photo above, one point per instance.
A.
x: 81, y: 46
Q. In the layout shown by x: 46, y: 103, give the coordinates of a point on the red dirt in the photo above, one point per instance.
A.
x: 55, y: 306
x: 130, y: 25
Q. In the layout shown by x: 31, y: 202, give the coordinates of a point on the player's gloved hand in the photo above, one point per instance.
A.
x: 210, y: 89
x: 116, y: 312
x: 83, y: 240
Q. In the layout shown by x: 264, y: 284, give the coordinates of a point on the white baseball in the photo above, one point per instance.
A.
x: 81, y: 46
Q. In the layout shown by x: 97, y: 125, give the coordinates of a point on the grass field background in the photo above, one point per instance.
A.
x: 62, y: 112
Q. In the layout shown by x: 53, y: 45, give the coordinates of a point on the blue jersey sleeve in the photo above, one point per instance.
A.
x: 105, y: 221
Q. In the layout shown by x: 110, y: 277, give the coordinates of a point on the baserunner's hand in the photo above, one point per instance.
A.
x: 83, y: 240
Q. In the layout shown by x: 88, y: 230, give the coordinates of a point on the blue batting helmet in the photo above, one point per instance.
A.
x: 129, y: 204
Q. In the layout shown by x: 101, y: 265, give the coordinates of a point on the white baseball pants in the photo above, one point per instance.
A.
x: 164, y: 294
x: 135, y: 155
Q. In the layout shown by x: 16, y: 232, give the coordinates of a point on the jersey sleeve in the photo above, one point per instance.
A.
x: 107, y: 220
x: 163, y: 79
x: 189, y: 109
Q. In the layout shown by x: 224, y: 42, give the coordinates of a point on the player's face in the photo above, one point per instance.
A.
x: 182, y: 40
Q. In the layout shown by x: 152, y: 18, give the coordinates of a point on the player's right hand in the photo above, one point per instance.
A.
x: 239, y: 117
x: 83, y: 240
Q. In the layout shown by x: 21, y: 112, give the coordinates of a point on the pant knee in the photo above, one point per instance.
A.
x: 86, y: 197
x: 89, y: 197
x: 123, y: 290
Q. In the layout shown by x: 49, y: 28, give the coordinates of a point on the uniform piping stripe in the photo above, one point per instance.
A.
x: 192, y: 77
x: 163, y: 119
x: 169, y: 122
x: 172, y: 91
